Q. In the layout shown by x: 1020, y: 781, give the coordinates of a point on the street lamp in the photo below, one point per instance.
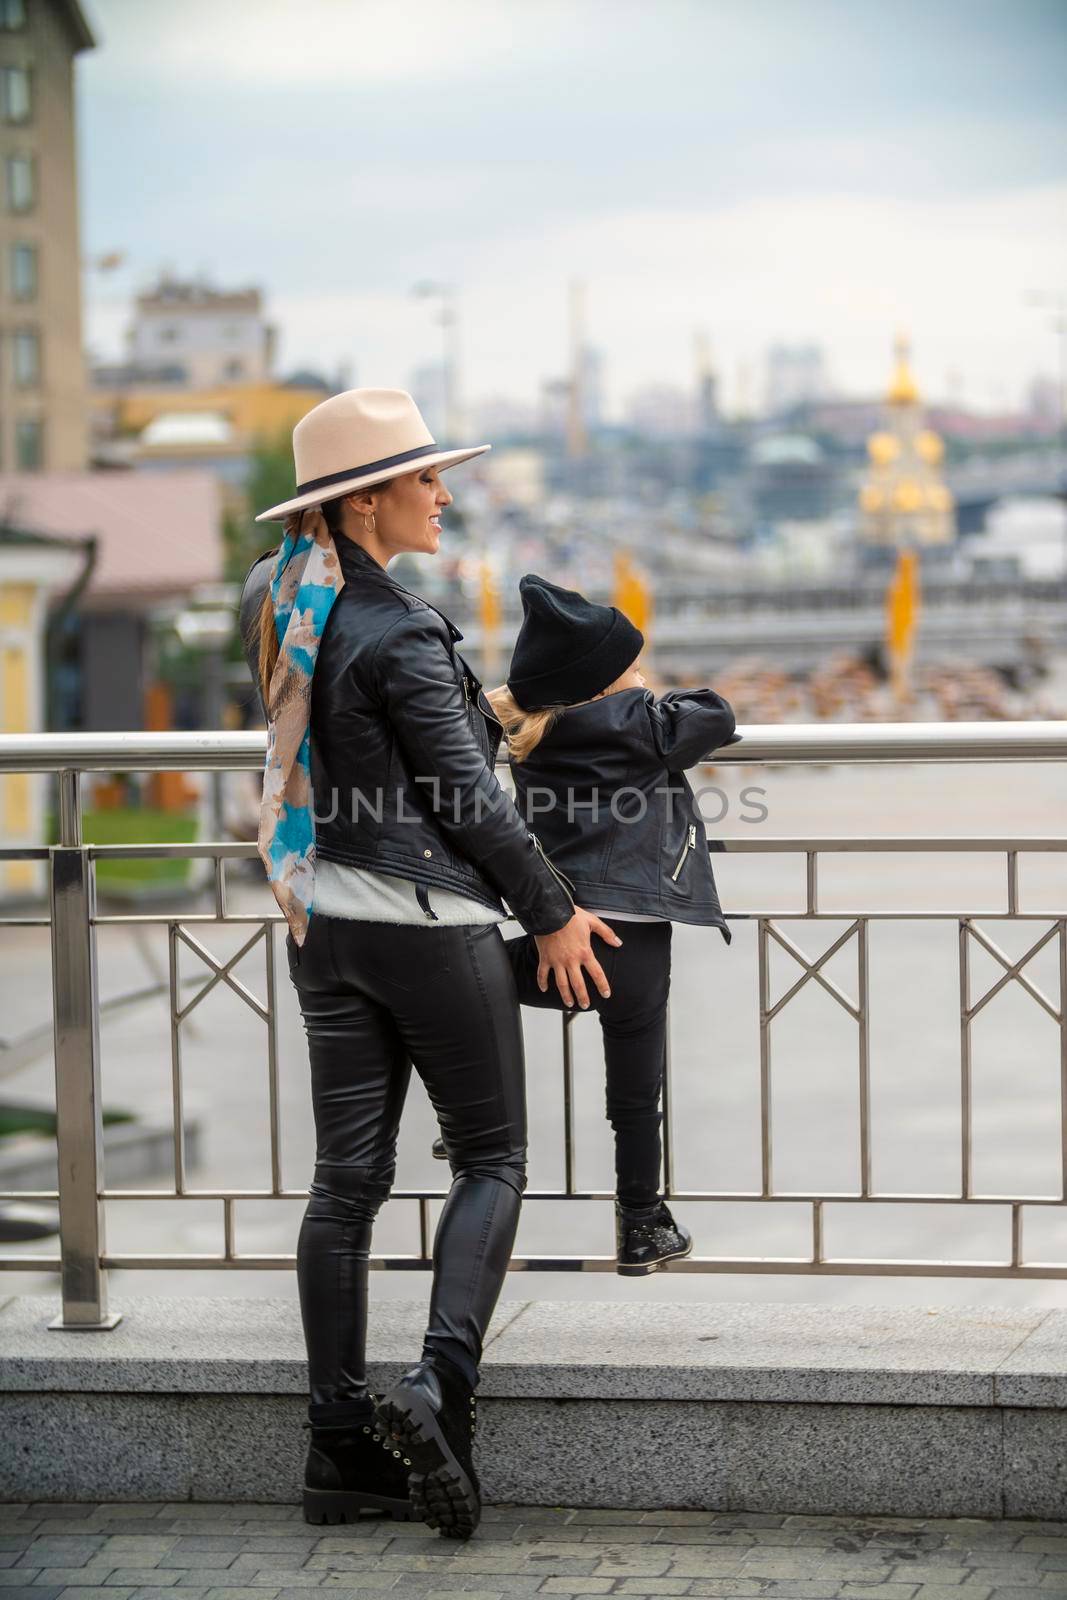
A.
x: 448, y: 318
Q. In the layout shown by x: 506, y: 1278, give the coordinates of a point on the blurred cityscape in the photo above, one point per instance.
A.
x: 819, y: 553
x: 829, y: 493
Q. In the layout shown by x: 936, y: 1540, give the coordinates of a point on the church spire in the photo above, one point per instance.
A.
x: 902, y: 388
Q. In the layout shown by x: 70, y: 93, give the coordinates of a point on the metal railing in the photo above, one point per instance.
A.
x: 74, y: 920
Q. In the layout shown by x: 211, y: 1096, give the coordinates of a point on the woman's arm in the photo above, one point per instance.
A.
x: 414, y: 678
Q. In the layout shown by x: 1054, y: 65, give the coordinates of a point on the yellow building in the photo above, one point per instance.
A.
x: 904, y: 501
x: 254, y: 410
x: 217, y: 428
x: 32, y: 571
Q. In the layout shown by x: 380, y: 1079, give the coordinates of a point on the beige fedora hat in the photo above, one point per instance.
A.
x: 356, y: 439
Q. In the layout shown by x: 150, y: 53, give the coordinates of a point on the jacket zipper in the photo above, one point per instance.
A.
x: 690, y: 844
x: 490, y: 715
x: 561, y: 877
x: 422, y: 895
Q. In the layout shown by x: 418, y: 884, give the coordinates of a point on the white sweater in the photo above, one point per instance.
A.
x: 366, y: 896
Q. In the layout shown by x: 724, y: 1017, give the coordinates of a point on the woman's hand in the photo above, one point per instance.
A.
x: 567, y: 951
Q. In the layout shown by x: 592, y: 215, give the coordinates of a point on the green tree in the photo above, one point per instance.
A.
x: 270, y: 480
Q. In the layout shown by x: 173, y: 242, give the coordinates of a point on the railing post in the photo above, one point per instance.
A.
x: 79, y: 1116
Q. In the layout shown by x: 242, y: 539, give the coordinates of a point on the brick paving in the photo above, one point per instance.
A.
x: 266, y: 1552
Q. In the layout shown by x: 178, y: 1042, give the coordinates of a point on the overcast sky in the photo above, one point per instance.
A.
x: 815, y: 170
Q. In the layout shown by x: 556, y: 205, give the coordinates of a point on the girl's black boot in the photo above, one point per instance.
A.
x: 351, y: 1468
x: 648, y: 1239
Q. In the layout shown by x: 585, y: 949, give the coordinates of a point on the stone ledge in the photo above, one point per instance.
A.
x: 827, y: 1410
x: 787, y: 1354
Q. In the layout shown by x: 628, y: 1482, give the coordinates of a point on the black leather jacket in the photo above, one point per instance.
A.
x: 403, y: 743
x: 605, y: 792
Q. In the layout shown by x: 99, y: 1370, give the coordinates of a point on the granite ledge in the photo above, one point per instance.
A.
x: 789, y: 1354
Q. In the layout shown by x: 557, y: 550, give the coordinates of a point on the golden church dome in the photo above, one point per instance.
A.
x: 907, y: 495
x: 883, y: 448
x: 938, y: 497
x: 930, y: 446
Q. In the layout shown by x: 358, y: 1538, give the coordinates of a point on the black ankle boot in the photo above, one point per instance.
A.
x: 647, y: 1238
x: 351, y: 1467
x: 438, y: 1151
x: 430, y: 1414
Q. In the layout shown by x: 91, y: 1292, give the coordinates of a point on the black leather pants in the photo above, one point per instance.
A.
x: 634, y: 1024
x: 377, y: 998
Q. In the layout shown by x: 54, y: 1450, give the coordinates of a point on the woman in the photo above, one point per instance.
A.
x: 389, y: 843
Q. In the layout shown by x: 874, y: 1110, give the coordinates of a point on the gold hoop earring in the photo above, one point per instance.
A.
x: 369, y: 524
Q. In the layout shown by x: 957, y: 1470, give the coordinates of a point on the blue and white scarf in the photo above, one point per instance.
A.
x: 305, y: 580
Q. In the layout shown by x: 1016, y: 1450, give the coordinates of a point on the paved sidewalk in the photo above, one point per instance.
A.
x: 260, y: 1552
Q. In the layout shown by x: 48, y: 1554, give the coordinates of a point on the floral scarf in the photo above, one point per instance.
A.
x: 305, y: 580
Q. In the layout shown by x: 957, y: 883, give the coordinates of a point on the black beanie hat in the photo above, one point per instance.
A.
x: 569, y: 648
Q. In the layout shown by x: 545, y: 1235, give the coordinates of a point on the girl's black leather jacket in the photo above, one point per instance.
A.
x: 606, y: 794
x: 403, y: 743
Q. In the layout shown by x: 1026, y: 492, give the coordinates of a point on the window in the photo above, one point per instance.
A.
x: 23, y: 264
x: 14, y: 94
x: 21, y: 189
x: 12, y: 15
x: 26, y: 357
x: 29, y: 443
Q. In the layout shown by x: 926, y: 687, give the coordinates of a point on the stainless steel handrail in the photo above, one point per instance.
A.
x: 763, y: 742
x: 74, y: 918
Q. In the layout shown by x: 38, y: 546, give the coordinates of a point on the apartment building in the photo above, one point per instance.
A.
x: 195, y: 335
x: 43, y: 389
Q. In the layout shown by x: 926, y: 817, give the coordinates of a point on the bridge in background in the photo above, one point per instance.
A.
x: 1014, y: 625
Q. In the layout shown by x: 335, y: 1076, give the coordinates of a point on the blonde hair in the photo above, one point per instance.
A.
x: 525, y: 729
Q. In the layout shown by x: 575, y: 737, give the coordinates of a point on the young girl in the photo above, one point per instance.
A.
x: 599, y: 765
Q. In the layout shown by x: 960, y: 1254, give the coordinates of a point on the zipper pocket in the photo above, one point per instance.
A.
x: 690, y: 844
x: 561, y: 877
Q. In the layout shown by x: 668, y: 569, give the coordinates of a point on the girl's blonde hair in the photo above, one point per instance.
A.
x: 525, y: 729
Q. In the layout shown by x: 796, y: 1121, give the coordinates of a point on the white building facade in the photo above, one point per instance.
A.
x: 214, y: 336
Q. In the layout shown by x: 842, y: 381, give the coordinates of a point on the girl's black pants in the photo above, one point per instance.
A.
x: 634, y: 1024
x: 377, y: 998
